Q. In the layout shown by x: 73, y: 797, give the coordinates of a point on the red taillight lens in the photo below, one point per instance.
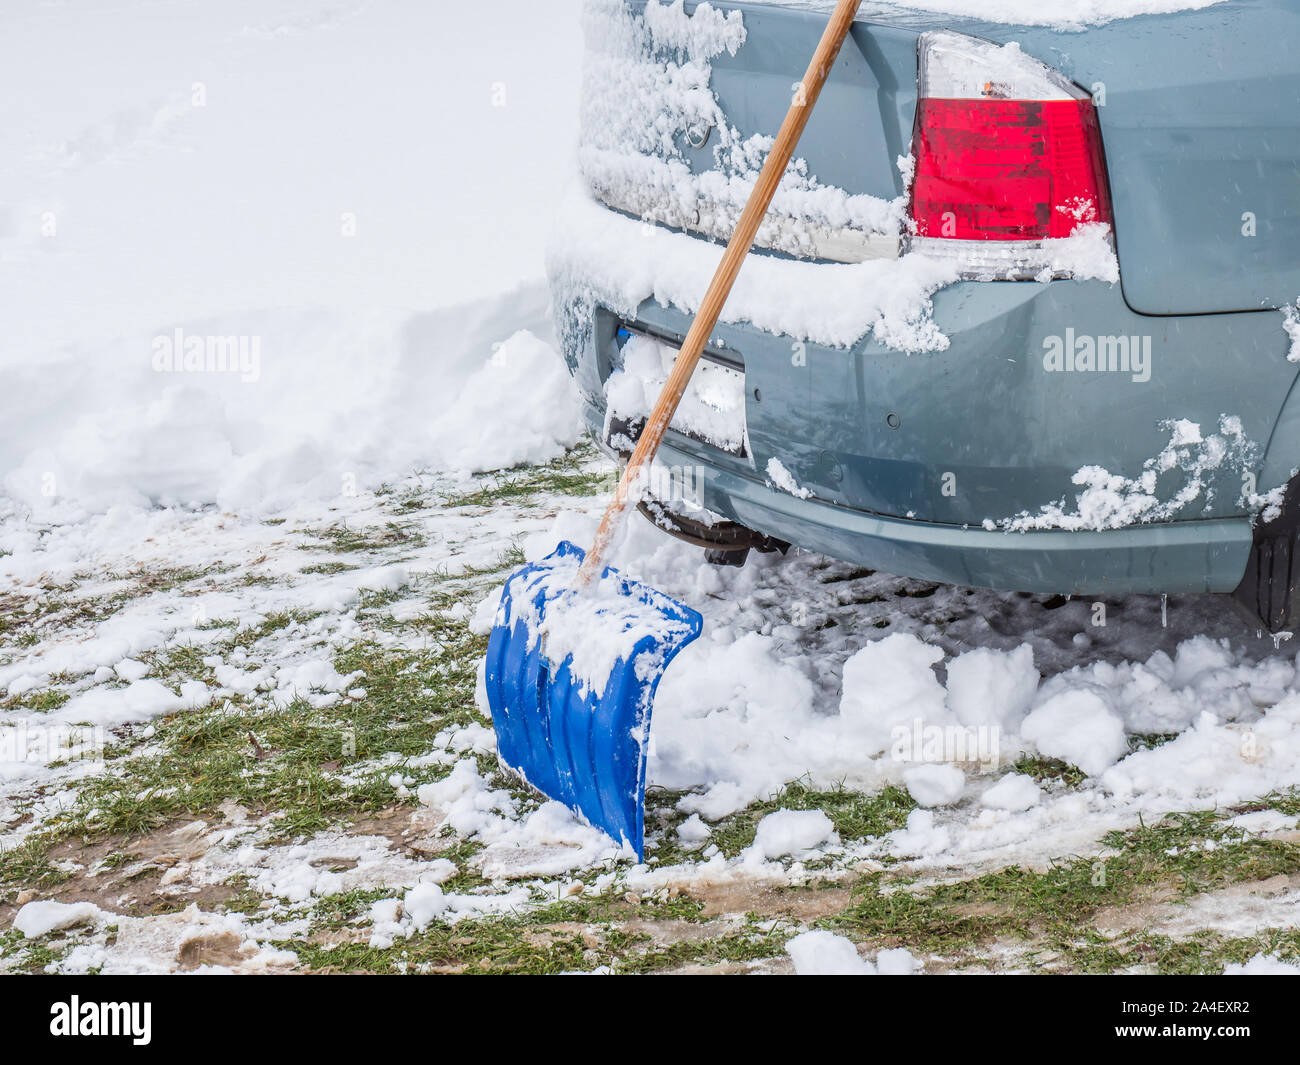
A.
x: 989, y: 169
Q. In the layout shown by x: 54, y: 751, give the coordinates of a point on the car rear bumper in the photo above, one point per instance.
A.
x: 1173, y: 557
x: 917, y: 464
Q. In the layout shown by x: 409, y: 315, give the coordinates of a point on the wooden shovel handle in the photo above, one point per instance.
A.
x: 706, y: 318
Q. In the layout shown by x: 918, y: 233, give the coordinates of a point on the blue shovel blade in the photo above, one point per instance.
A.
x: 575, y: 723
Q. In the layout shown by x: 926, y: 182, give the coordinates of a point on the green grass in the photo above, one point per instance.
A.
x: 1201, y: 953
x: 348, y: 541
x: 28, y: 865
x: 24, y: 955
x: 39, y: 700
x: 573, y: 474
x: 856, y: 816
x: 327, y: 568
x: 1049, y: 770
x: 1165, y: 861
x: 574, y: 934
x: 309, y: 768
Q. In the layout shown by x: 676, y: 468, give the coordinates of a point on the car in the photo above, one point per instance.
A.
x: 1022, y: 315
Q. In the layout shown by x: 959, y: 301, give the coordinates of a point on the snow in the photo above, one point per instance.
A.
x: 792, y: 832
x: 1059, y: 14
x: 826, y: 303
x: 898, y: 961
x: 139, y: 701
x: 780, y: 477
x: 1079, y: 728
x: 934, y: 785
x: 41, y: 918
x: 1015, y: 793
x: 693, y: 832
x: 1262, y: 965
x: 519, y: 387
x: 1113, y: 501
x: 712, y: 408
x: 887, y: 684
x: 375, y: 350
x: 991, y: 688
x: 1291, y: 323
x: 822, y: 953
x: 548, y: 841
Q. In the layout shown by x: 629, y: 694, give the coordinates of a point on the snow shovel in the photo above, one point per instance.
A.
x: 577, y: 650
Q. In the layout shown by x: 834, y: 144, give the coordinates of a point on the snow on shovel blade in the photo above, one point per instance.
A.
x: 571, y: 677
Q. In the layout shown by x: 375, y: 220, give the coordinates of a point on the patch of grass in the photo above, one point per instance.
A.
x: 1286, y: 803
x: 314, y: 767
x: 856, y: 816
x: 174, y: 665
x: 247, y: 638
x: 751, y: 944
x: 1181, y: 856
x: 1046, y: 770
x: 1202, y: 953
x: 484, y: 947
x: 573, y: 474
x: 328, y: 568
x: 344, y: 540
x: 266, y: 760
x: 573, y: 934
x: 28, y: 865
x: 337, y: 911
x: 39, y: 700
x: 22, y: 955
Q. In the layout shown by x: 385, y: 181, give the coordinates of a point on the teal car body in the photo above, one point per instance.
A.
x: 919, y: 463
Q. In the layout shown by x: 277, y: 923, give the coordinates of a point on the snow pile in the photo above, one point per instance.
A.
x: 41, y: 918
x: 519, y: 407
x: 546, y: 842
x: 359, y: 298
x: 1015, y: 793
x: 823, y: 953
x: 791, y: 833
x: 599, y: 256
x: 887, y: 686
x: 934, y: 785
x: 992, y: 688
x: 1078, y: 728
x: 335, y: 410
x: 1112, y: 501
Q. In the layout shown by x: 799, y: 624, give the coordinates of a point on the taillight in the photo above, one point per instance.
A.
x: 1005, y: 150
